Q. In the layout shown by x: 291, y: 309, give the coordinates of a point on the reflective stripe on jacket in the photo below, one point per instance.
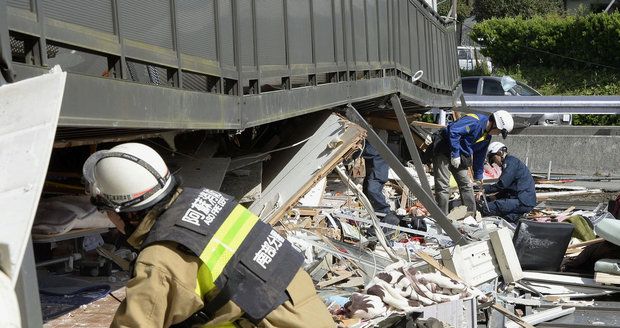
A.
x: 240, y: 255
x: 467, y: 136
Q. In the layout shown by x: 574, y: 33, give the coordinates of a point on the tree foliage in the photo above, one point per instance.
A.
x: 590, y: 41
x: 571, y: 82
x: 487, y: 9
x: 463, y: 9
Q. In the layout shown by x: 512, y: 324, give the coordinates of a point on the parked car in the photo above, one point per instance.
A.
x: 470, y: 58
x: 507, y: 86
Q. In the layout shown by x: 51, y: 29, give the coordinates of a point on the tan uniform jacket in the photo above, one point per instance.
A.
x: 162, y: 293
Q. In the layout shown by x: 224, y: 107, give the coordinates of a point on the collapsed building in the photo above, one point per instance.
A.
x: 272, y: 103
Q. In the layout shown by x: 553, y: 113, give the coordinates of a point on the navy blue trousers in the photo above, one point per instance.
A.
x: 377, y: 171
x: 510, y: 209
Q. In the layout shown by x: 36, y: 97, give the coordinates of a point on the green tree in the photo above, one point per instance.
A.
x: 486, y: 9
x: 463, y: 9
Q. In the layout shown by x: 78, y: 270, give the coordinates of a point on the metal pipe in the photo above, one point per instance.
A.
x: 69, y: 258
x: 544, y: 104
x: 371, y: 212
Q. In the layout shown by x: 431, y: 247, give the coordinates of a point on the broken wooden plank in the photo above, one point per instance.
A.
x: 339, y: 278
x: 522, y: 301
x: 333, y: 140
x: 606, y: 278
x: 353, y: 282
x: 545, y: 195
x: 517, y: 320
x: 543, y: 316
x: 586, y: 243
x: 506, y: 255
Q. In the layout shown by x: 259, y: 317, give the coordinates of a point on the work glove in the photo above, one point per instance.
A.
x: 456, y: 162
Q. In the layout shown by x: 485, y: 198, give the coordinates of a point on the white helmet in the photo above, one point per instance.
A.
x: 129, y: 177
x: 496, y: 147
x: 504, y: 122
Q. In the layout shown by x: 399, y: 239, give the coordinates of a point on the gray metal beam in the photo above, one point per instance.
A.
x: 101, y: 102
x: 5, y: 49
x: 413, y: 150
x: 414, y: 186
x: 545, y: 104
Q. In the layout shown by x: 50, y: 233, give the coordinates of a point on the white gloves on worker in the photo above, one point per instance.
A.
x: 456, y: 162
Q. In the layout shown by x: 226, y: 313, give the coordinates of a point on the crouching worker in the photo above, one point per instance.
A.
x: 204, y: 260
x: 515, y: 193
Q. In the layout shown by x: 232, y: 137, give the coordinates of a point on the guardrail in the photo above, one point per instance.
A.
x: 226, y: 63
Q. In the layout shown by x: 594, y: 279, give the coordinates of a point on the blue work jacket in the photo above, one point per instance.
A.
x: 467, y: 136
x: 516, y: 181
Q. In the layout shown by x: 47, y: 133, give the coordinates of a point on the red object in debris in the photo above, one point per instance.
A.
x: 342, y: 250
x: 417, y: 239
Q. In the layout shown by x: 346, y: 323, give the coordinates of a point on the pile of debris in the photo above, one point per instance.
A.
x: 457, y: 269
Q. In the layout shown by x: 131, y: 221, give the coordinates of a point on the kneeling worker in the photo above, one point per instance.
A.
x: 204, y: 260
x: 515, y: 190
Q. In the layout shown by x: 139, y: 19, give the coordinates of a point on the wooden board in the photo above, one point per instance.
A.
x: 606, y: 278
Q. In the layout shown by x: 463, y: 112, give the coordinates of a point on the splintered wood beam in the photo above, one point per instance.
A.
x: 331, y: 142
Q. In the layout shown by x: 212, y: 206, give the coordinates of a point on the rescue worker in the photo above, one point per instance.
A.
x: 515, y: 192
x: 460, y: 145
x: 204, y: 260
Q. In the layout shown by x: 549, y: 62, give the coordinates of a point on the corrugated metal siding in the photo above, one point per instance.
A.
x: 430, y: 56
x: 270, y: 32
x: 415, y: 43
x: 359, y: 29
x: 383, y: 30
x: 299, y: 31
x: 373, y: 33
x: 96, y: 14
x: 436, y: 55
x: 324, y: 31
x: 348, y: 31
x: 339, y: 31
x: 21, y: 4
x: 225, y: 16
x: 404, y: 33
x: 444, y: 56
x: 194, y: 82
x: 196, y: 28
x: 146, y: 21
x: 246, y: 32
x: 422, y: 52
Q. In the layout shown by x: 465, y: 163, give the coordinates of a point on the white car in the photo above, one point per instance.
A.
x: 470, y: 58
x: 507, y: 86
